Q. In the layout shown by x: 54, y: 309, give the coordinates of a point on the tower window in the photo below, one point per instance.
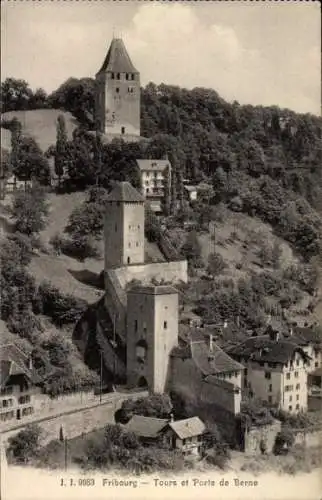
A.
x: 123, y: 130
x: 128, y: 260
x: 117, y: 90
x: 112, y: 76
x: 165, y: 325
x: 118, y: 76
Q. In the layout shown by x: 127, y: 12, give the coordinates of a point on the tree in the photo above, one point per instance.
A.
x: 166, y: 202
x: 61, y: 147
x: 24, y: 446
x: 28, y: 161
x: 58, y: 350
x: 159, y: 406
x: 192, y: 249
x: 216, y: 264
x: 15, y: 95
x: 29, y: 210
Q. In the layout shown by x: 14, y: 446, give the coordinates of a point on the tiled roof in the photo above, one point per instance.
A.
x: 154, y: 165
x: 307, y: 335
x: 264, y: 349
x: 208, y: 362
x: 215, y: 361
x: 118, y: 59
x: 125, y: 192
x: 14, y: 362
x: 146, y: 426
x: 188, y: 427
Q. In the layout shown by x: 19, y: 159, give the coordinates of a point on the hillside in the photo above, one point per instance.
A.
x: 40, y: 124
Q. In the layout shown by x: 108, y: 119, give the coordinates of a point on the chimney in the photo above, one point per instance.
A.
x: 171, y: 417
x: 210, y: 342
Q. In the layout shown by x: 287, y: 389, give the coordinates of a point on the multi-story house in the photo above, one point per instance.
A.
x: 309, y: 338
x: 17, y: 384
x: 276, y: 370
x: 155, y: 181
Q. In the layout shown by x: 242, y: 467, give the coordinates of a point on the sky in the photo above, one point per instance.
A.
x: 266, y: 53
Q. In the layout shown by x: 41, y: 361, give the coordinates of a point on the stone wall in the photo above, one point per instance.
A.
x: 168, y: 271
x: 265, y: 433
x: 187, y: 379
x: 44, y: 404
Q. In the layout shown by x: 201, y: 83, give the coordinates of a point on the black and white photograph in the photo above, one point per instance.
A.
x: 160, y: 250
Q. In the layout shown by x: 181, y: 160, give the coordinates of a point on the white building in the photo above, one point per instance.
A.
x: 276, y: 370
x: 155, y: 179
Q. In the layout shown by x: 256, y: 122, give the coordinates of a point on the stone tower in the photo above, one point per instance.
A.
x: 152, y: 332
x: 124, y: 227
x: 117, y: 93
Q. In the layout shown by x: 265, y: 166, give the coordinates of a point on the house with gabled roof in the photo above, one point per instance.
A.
x: 276, y: 370
x: 18, y: 382
x: 202, y: 372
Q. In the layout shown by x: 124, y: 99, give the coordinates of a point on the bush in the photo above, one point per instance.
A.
x: 80, y: 247
x: 156, y: 405
x: 24, y: 446
x: 216, y: 264
x: 283, y: 441
x: 60, y: 308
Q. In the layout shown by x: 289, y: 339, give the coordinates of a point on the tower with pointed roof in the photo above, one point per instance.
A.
x: 117, y: 93
x: 124, y: 226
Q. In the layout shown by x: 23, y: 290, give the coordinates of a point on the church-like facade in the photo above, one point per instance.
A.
x: 117, y: 94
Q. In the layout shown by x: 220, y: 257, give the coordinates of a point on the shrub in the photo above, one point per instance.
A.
x: 283, y: 441
x: 59, y: 307
x: 24, y: 446
x: 216, y: 264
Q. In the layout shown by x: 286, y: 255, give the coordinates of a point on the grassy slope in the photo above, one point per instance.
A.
x: 41, y: 125
x: 238, y: 239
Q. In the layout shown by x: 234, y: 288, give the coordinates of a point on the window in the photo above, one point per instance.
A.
x: 297, y: 397
x: 128, y: 260
x: 288, y: 376
x: 316, y: 364
x: 183, y: 441
x: 130, y: 226
x: 297, y: 362
x: 261, y: 363
x: 229, y: 375
x: 290, y: 408
x: 296, y: 374
x: 245, y: 372
x: 123, y: 130
x: 270, y: 399
x: 112, y: 76
x: 165, y: 325
x: 138, y: 226
x: 268, y: 375
x: 117, y: 90
x: 118, y: 76
x: 297, y: 387
x: 130, y: 90
x: 297, y: 407
x: 126, y: 76
x: 115, y: 227
x: 136, y: 325
x: 147, y: 190
x: 137, y: 244
x: 270, y: 388
x: 129, y: 244
x: 290, y: 399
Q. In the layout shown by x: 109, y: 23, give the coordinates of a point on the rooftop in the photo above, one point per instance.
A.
x: 188, y: 427
x: 126, y: 193
x: 265, y: 349
x: 13, y: 361
x: 154, y: 165
x: 154, y: 290
x: 307, y: 335
x: 209, y: 362
x: 118, y: 59
x: 148, y: 427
